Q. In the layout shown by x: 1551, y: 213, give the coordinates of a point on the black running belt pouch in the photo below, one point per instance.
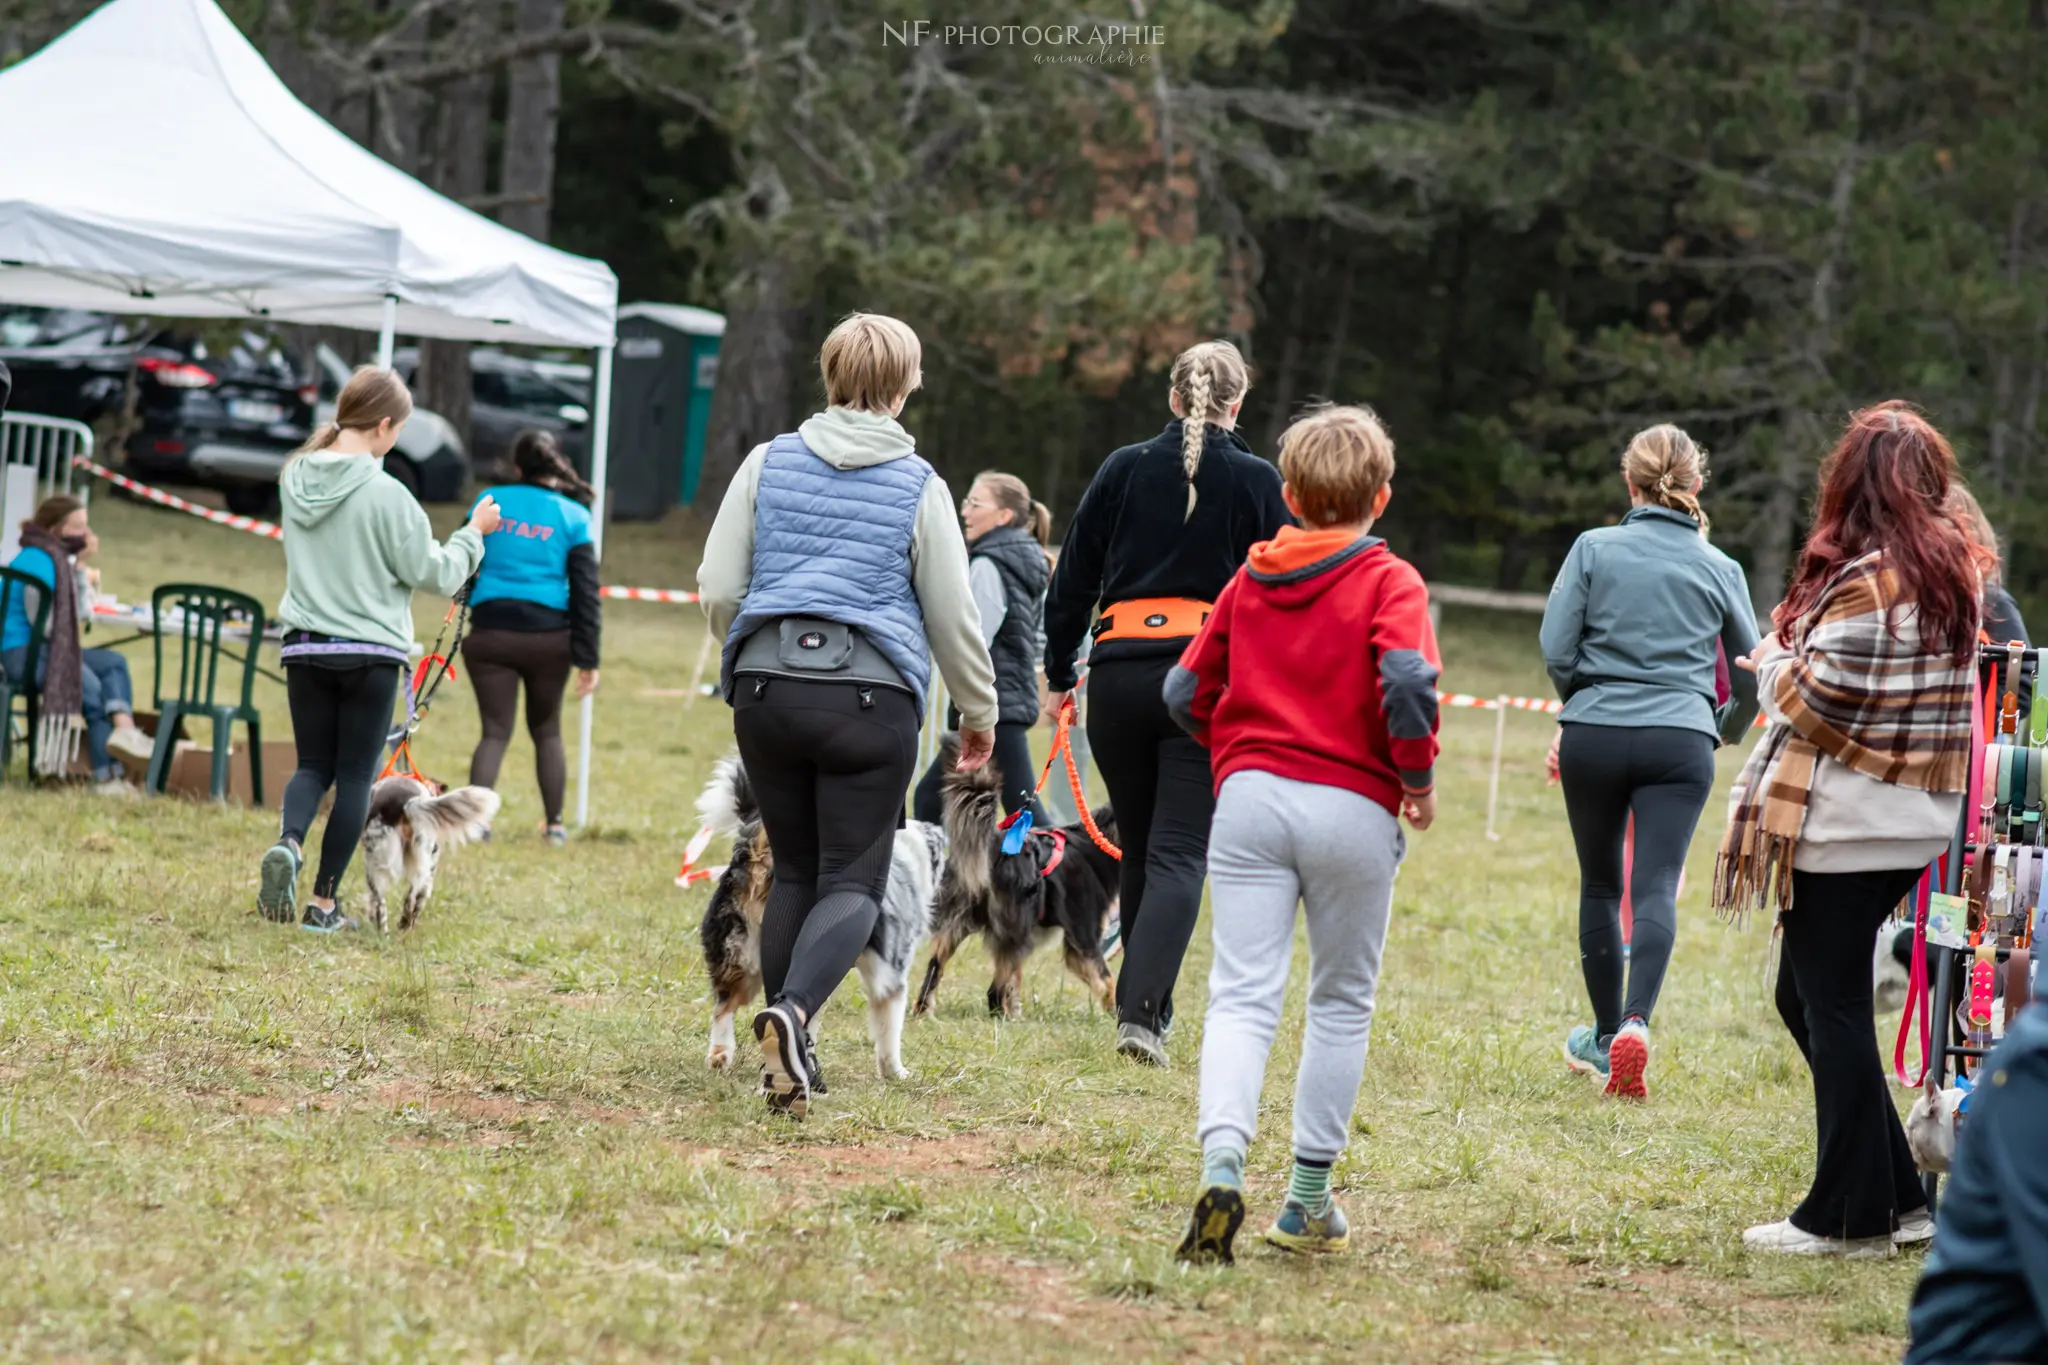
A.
x: 812, y: 649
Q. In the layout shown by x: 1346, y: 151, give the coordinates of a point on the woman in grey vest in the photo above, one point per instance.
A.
x: 1007, y: 568
x: 837, y: 575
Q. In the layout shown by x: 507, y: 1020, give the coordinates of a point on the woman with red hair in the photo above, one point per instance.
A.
x: 1854, y: 789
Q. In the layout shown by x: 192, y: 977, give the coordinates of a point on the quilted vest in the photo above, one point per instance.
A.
x: 835, y: 543
x: 1020, y: 559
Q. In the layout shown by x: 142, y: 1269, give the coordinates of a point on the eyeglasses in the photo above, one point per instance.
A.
x: 968, y: 504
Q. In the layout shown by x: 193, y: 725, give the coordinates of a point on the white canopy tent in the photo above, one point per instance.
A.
x: 159, y: 166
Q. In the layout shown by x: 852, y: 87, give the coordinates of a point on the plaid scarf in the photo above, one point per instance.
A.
x: 1853, y: 680
x: 63, y: 692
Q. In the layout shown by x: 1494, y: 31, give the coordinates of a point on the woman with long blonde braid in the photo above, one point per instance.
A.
x: 1162, y: 528
x: 1629, y: 638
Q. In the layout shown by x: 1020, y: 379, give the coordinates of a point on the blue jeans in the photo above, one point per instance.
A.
x: 107, y: 692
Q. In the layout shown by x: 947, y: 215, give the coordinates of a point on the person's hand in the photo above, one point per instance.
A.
x: 1550, y: 759
x: 1420, y: 810
x: 586, y: 681
x: 1747, y: 663
x: 92, y: 578
x: 976, y: 748
x: 1056, y: 702
x: 485, y: 518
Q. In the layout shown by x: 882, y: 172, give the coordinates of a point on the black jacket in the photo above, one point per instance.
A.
x: 1131, y: 538
x: 1020, y: 559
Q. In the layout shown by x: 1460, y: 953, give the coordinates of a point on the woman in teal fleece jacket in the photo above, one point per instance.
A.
x: 356, y: 545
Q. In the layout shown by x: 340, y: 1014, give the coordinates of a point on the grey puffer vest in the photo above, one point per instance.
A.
x: 1021, y: 561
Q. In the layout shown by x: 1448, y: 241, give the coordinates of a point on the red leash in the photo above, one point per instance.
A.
x: 1063, y: 747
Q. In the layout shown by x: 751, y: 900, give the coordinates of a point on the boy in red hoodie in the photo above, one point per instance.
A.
x: 1313, y: 684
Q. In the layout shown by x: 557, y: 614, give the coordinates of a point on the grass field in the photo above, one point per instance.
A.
x: 496, y: 1139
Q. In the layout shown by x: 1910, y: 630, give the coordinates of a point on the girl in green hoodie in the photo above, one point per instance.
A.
x: 356, y: 545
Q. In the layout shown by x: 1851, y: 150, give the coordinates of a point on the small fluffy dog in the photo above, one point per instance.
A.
x: 1059, y: 883
x: 410, y: 823
x: 1931, y: 1124
x: 731, y: 929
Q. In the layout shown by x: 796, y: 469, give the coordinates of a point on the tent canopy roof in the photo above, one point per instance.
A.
x: 159, y: 166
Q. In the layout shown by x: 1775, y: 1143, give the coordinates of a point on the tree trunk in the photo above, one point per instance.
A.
x: 756, y: 375
x: 461, y: 159
x: 1288, y: 374
x: 526, y: 174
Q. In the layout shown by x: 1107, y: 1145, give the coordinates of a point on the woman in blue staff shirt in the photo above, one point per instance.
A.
x: 535, y: 615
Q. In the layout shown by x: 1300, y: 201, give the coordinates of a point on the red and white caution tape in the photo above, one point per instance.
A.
x: 156, y: 495
x: 648, y: 594
x: 691, y: 873
x: 1548, y: 706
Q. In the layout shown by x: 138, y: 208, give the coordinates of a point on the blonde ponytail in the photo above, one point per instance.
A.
x: 1667, y: 466
x: 1209, y: 378
x: 1040, y: 523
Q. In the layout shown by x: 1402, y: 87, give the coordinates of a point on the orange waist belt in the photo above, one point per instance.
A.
x: 1153, y: 618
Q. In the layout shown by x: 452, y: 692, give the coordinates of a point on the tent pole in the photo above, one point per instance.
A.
x: 387, y: 335
x: 600, y: 459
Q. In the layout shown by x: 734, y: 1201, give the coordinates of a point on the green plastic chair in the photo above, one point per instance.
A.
x: 15, y: 583
x: 200, y: 640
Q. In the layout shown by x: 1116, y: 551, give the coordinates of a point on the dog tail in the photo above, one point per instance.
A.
x: 455, y: 817
x: 727, y: 801
x: 973, y: 805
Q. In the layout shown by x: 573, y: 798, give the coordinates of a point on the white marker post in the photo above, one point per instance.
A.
x: 1500, y: 733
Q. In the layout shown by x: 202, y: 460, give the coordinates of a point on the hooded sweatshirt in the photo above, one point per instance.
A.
x: 847, y: 438
x: 1318, y: 664
x: 356, y: 545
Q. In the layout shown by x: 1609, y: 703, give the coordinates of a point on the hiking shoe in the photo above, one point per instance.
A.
x: 556, y: 836
x: 1219, y: 1213
x: 1782, y: 1239
x: 326, y: 921
x: 785, y: 1080
x: 1914, y: 1228
x: 277, y: 897
x: 1140, y: 1044
x: 1628, y: 1057
x: 1296, y: 1229
x: 1583, y: 1053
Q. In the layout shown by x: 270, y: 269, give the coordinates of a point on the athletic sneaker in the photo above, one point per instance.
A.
x: 785, y: 1079
x: 129, y: 742
x: 330, y: 921
x: 1628, y: 1057
x: 1296, y: 1229
x: 556, y: 836
x: 1113, y: 939
x: 1140, y: 1044
x: 1583, y: 1053
x: 1783, y: 1239
x: 1219, y: 1213
x: 117, y: 787
x: 1915, y: 1227
x: 277, y: 897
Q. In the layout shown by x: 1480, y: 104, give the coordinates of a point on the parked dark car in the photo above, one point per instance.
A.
x: 510, y: 394
x: 221, y: 405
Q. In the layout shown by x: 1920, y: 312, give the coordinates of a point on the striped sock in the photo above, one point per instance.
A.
x: 1223, y: 1166
x: 1310, y: 1185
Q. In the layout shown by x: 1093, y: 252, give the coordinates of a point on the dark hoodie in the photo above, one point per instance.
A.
x: 1318, y: 664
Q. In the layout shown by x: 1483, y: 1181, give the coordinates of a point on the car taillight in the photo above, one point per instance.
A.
x: 309, y: 394
x: 176, y: 374
x: 170, y: 447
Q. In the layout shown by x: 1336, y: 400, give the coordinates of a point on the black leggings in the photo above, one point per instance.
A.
x: 1863, y: 1175
x: 829, y: 770
x: 1160, y: 786
x: 340, y: 720
x: 1662, y: 775
x: 499, y: 661
x: 1012, y: 760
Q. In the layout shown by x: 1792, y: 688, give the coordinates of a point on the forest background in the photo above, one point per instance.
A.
x: 1520, y: 230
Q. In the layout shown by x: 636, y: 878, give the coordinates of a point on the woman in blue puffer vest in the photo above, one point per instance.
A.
x: 836, y: 575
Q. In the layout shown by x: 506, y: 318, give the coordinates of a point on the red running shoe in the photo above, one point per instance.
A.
x: 1628, y: 1057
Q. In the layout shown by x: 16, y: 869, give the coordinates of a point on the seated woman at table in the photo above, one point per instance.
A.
x: 75, y: 682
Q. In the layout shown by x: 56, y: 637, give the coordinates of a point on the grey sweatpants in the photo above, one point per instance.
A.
x: 1275, y: 843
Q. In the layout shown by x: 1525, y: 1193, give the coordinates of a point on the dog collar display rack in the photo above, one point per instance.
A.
x: 1996, y: 868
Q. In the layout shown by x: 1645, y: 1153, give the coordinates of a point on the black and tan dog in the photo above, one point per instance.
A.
x: 1058, y: 883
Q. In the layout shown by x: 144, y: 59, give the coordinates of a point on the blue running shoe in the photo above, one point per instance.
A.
x: 277, y: 896
x: 1583, y: 1053
x: 1296, y: 1229
x: 330, y: 921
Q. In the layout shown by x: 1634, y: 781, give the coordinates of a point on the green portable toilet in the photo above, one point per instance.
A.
x: 663, y: 371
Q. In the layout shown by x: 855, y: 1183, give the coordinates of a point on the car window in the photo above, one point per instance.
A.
x: 526, y: 392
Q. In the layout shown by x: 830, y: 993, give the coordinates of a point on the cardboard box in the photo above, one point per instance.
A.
x: 191, y: 770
